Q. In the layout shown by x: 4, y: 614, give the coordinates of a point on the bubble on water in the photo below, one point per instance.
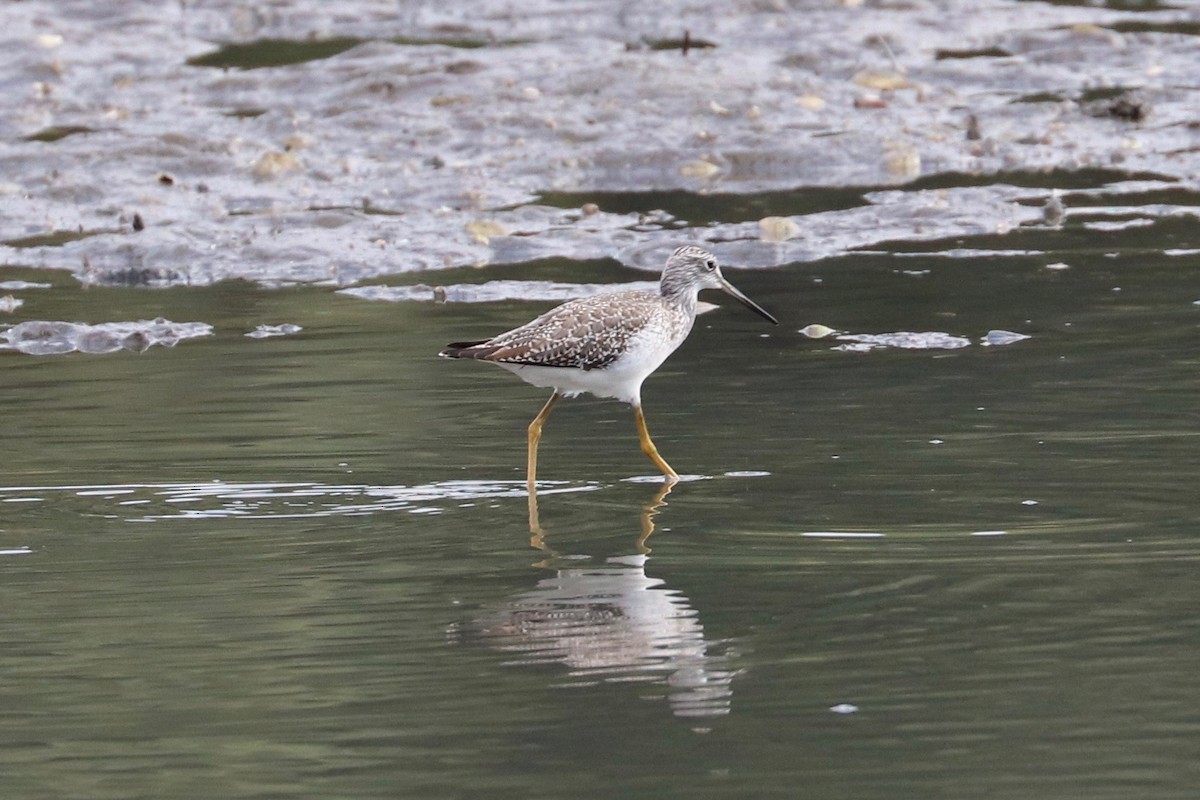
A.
x: 904, y: 340
x: 659, y: 478
x: 266, y: 331
x: 98, y: 340
x: 998, y: 338
x: 43, y: 338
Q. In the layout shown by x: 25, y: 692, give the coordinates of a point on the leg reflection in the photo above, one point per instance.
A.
x: 650, y: 511
x: 603, y: 618
x: 537, y: 537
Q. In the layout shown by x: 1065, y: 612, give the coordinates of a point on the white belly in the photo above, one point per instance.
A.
x: 621, y: 379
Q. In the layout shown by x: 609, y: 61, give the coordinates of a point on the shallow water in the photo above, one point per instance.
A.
x: 945, y: 550
x: 302, y: 565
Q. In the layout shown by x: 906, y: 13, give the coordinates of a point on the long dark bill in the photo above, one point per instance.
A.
x: 746, y: 301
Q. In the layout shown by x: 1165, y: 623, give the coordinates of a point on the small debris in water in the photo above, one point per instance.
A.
x: 683, y: 45
x: 998, y: 338
x: 881, y: 80
x: 1029, y: 502
x: 1058, y: 265
x: 138, y: 223
x: 9, y: 304
x: 844, y: 708
x: 816, y: 331
x: 265, y: 331
x: 903, y: 160
x: 973, y: 133
x: 989, y: 533
x: 482, y: 230
x: 274, y: 164
x: 778, y: 229
x: 937, y: 441
x: 42, y: 338
x: 1054, y: 212
x: 1128, y: 106
x: 699, y: 169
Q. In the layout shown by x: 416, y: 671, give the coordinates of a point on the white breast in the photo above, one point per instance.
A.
x: 622, y: 379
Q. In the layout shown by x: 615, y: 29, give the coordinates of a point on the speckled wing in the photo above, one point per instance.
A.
x: 588, y: 333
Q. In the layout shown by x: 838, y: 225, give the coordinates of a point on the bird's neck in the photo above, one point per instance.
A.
x: 682, y: 297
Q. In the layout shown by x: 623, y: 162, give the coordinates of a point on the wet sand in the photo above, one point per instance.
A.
x: 166, y: 144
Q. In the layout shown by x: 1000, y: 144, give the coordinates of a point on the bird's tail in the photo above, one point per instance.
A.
x: 462, y: 349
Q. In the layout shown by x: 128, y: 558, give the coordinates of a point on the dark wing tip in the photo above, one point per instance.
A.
x: 467, y: 350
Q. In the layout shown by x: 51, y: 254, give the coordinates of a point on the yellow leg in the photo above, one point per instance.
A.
x: 535, y: 436
x: 648, y: 446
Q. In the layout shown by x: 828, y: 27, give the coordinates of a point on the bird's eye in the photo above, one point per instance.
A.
x: 710, y: 264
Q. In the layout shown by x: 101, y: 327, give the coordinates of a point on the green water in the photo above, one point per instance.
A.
x: 301, y: 567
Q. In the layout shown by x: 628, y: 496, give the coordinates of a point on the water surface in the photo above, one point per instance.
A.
x: 302, y: 566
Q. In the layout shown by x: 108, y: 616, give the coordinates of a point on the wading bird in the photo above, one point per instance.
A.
x: 607, y: 344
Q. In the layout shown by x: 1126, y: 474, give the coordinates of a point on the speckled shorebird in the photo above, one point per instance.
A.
x: 607, y: 344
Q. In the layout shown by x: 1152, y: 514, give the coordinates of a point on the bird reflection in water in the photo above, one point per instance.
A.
x: 612, y: 622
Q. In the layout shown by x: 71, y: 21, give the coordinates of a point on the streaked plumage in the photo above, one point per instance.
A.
x: 607, y: 344
x: 587, y: 333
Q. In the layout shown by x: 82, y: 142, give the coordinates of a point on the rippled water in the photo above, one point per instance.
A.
x: 302, y: 565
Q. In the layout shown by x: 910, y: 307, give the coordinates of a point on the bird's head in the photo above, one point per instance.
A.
x: 691, y: 268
